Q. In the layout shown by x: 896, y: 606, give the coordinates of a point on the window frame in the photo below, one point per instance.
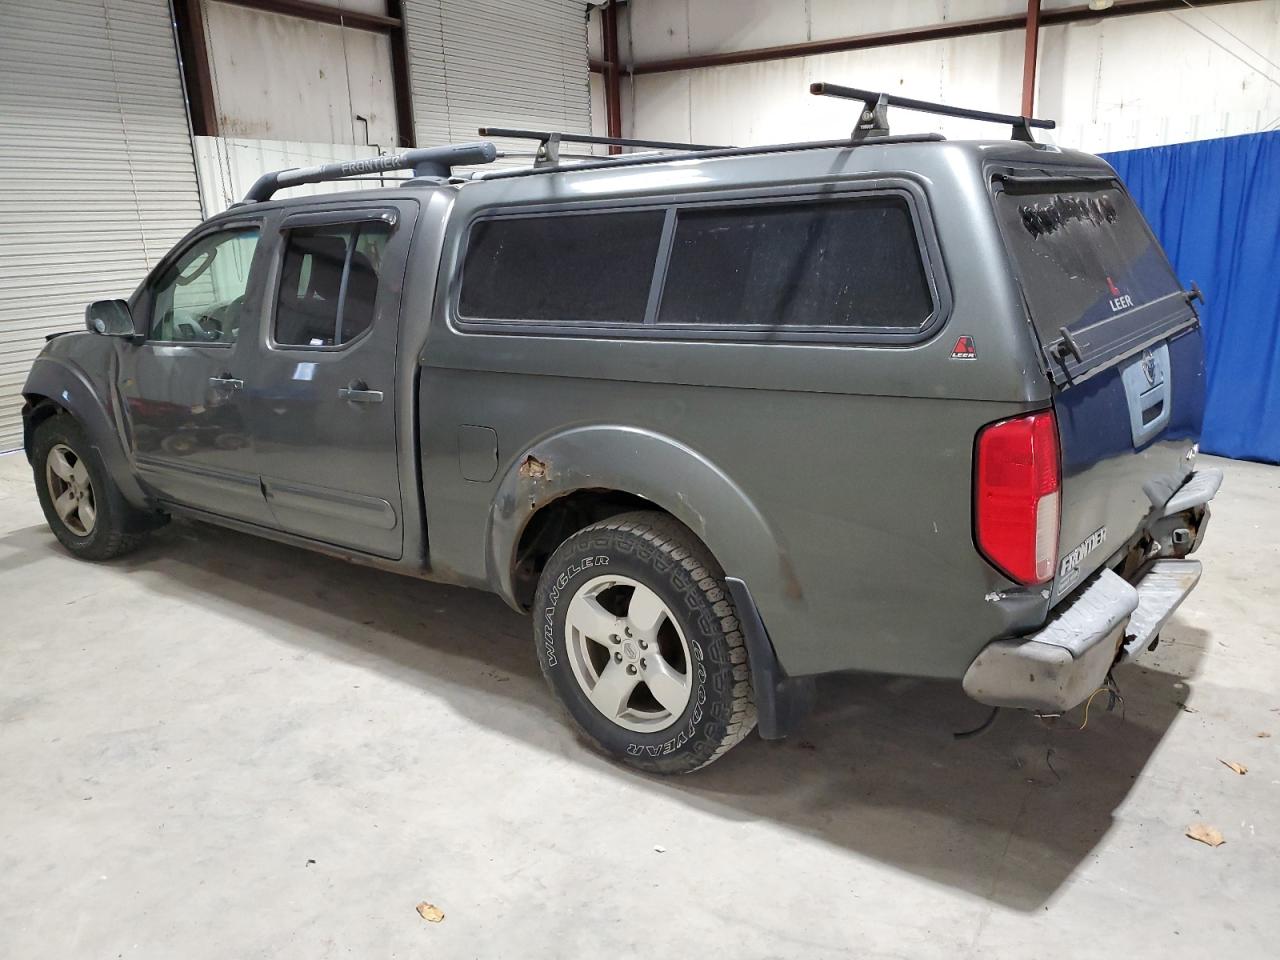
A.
x: 152, y: 284
x: 325, y: 218
x: 909, y: 191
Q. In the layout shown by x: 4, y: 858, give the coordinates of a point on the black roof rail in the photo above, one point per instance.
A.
x: 549, y: 142
x: 424, y: 162
x: 644, y: 158
x: 874, y: 122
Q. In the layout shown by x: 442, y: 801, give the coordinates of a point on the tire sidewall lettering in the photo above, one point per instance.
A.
x: 553, y: 598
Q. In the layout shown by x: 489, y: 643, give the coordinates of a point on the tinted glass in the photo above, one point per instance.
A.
x: 566, y: 268
x: 839, y: 263
x: 200, y: 298
x: 1082, y: 254
x: 329, y: 283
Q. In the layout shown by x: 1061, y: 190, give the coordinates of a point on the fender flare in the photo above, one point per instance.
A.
x: 67, y: 386
x: 647, y: 464
x: 696, y: 492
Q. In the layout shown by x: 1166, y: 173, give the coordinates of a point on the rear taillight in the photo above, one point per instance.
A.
x: 1017, y: 496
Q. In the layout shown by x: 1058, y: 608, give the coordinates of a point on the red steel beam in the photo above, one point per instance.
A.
x: 612, y: 78
x: 1029, y: 57
x: 401, y: 89
x: 324, y: 14
x: 198, y: 78
x: 888, y: 38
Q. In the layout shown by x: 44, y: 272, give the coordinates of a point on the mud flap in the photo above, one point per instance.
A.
x: 782, y: 702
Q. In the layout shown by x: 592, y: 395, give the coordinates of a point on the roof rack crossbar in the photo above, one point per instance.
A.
x: 549, y: 148
x: 424, y: 162
x: 873, y: 121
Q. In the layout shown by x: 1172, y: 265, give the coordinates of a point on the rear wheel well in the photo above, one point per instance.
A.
x: 558, y: 520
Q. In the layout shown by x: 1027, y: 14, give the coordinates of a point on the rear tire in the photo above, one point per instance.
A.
x: 638, y: 638
x: 83, y: 507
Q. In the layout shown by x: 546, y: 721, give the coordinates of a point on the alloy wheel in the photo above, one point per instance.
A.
x: 628, y: 654
x: 70, y: 490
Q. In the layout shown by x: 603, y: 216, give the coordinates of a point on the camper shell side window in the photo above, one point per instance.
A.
x: 855, y: 265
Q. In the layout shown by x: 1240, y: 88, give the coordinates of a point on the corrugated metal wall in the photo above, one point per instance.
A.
x: 492, y: 62
x: 97, y: 179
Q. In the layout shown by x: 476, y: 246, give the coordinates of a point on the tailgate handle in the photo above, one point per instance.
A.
x: 1146, y: 387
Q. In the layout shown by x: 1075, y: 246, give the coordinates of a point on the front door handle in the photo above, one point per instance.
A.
x: 358, y: 392
x: 227, y: 383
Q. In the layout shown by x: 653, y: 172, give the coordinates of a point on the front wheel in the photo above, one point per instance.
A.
x: 82, y: 506
x: 638, y: 638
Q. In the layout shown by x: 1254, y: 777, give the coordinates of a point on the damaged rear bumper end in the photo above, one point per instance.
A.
x: 1113, y: 617
x: 1057, y: 668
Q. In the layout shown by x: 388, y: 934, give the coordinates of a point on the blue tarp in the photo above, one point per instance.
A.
x: 1215, y: 205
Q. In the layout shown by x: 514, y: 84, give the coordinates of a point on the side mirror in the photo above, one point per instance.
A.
x: 111, y: 318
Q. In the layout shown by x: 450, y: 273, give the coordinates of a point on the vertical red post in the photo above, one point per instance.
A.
x: 612, y: 72
x: 1029, y: 57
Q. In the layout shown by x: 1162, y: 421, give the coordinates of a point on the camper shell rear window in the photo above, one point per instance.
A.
x: 1087, y: 263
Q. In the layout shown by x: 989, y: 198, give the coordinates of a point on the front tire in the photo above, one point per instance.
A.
x: 81, y: 504
x: 638, y: 638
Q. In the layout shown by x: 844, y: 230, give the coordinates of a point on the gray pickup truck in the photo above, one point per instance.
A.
x: 720, y: 419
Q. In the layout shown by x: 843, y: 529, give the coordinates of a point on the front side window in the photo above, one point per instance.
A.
x: 329, y: 283
x: 835, y: 263
x: 562, y: 268
x: 200, y: 297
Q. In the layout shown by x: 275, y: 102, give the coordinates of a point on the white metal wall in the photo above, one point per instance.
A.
x: 476, y: 63
x: 288, y: 78
x: 229, y: 165
x: 97, y: 179
x: 1112, y: 84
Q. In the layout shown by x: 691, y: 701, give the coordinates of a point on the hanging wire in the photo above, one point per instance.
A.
x: 1233, y: 36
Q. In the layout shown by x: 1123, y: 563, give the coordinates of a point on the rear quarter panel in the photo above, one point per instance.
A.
x: 857, y: 459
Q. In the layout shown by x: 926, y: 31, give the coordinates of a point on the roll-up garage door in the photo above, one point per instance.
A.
x: 97, y: 179
x: 492, y: 62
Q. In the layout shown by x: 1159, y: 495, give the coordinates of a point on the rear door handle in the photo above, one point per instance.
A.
x: 227, y: 383
x: 359, y: 392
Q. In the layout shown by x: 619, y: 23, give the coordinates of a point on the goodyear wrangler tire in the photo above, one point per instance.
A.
x: 638, y: 638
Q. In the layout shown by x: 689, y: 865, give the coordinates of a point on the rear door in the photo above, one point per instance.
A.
x: 323, y: 410
x: 1123, y: 348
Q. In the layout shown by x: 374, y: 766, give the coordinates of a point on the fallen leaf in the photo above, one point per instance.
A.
x: 433, y: 914
x: 1239, y: 768
x: 659, y: 849
x: 1263, y: 735
x: 1183, y: 707
x: 1206, y: 834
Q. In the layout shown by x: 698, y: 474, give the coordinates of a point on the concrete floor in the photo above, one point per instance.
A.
x: 221, y: 747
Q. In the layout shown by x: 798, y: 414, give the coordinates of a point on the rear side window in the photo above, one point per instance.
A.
x: 329, y: 283
x: 839, y: 263
x: 562, y: 268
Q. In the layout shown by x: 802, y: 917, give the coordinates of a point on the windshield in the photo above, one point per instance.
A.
x: 1082, y: 251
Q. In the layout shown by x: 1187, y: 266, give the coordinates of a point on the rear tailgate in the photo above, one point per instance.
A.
x: 1123, y: 347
